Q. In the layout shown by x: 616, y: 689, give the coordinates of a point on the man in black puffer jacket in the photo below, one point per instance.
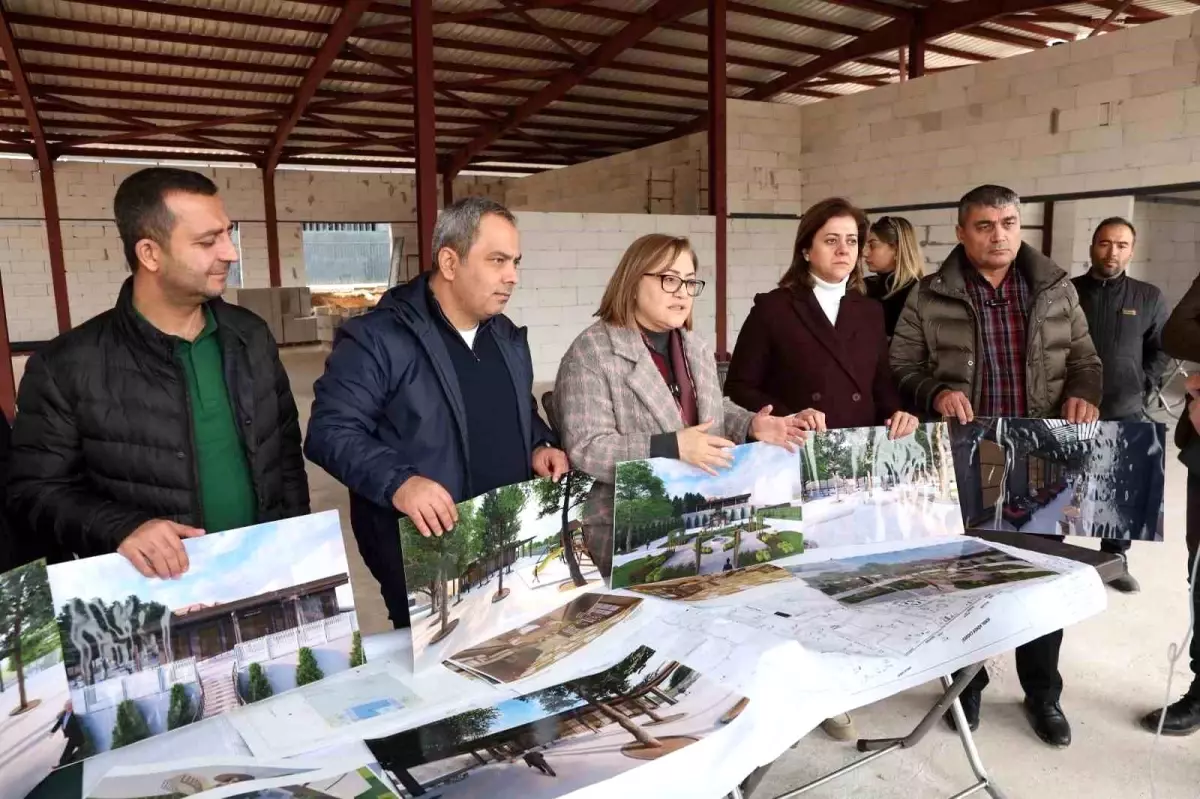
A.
x: 165, y: 417
x: 1126, y: 319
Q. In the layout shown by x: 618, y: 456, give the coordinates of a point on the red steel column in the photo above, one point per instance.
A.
x: 8, y: 383
x: 268, y: 177
x: 426, y: 145
x: 718, y: 184
x: 54, y: 242
x: 916, y: 46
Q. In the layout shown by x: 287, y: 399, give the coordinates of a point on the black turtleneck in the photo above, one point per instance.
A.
x: 662, y: 445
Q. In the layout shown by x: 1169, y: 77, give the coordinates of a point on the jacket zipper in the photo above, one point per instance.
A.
x: 197, y: 505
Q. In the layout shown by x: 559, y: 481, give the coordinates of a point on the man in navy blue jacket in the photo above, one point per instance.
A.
x: 427, y: 400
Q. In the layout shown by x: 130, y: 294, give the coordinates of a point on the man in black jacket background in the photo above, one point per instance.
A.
x: 1126, y: 318
x: 169, y: 415
x: 427, y: 400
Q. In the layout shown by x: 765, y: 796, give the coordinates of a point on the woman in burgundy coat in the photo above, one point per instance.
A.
x: 816, y: 345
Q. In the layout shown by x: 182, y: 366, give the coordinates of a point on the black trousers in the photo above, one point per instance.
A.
x: 1037, y: 669
x: 1193, y: 544
x: 1037, y: 666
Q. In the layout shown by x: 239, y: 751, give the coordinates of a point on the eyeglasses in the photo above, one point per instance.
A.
x: 671, y: 283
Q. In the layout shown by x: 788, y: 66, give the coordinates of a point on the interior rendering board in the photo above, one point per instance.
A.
x: 516, y: 553
x: 1050, y: 477
x: 145, y: 655
x: 554, y: 741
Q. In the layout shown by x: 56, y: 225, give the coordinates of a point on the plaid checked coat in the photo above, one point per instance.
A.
x: 610, y: 398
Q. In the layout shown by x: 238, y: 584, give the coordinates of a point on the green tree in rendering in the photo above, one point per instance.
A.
x: 260, y: 687
x: 442, y: 738
x: 357, y: 657
x: 307, y: 669
x: 25, y: 606
x: 180, y: 712
x: 436, y: 560
x: 500, y: 523
x: 640, y: 497
x: 562, y: 497
x: 131, y: 725
x: 600, y: 692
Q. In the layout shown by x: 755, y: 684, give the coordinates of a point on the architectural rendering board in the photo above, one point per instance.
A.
x: 845, y: 487
x: 1050, y: 477
x: 146, y: 655
x: 526, y: 650
x: 917, y: 573
x: 562, y: 738
x: 515, y: 554
x: 861, y: 487
x: 186, y: 777
x: 673, y: 520
x: 359, y: 781
x: 304, y: 719
x: 37, y: 730
x: 711, y: 586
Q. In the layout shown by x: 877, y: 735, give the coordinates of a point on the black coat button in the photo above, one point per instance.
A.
x: 856, y: 396
x: 180, y: 455
x: 816, y: 396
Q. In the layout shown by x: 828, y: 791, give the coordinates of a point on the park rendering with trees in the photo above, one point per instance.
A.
x: 488, y: 574
x: 675, y: 521
x: 553, y: 741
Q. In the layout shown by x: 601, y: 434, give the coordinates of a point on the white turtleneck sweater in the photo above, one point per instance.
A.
x: 829, y: 295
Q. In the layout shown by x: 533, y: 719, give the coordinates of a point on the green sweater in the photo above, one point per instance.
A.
x: 226, y: 486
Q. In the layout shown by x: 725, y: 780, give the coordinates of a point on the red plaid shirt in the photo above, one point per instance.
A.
x: 1001, y: 312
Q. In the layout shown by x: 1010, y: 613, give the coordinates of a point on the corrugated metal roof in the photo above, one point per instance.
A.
x: 179, y: 61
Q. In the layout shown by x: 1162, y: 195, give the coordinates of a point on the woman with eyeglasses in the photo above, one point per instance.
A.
x: 640, y: 384
x: 894, y: 258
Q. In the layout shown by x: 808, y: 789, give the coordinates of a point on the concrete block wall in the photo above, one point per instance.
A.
x: 1126, y: 107
x: 661, y: 178
x: 763, y: 157
x: 567, y: 261
x: 1165, y: 251
x: 760, y: 251
x: 25, y: 268
x: 96, y: 269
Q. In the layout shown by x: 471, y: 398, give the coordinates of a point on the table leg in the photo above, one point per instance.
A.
x: 948, y: 699
x: 878, y: 747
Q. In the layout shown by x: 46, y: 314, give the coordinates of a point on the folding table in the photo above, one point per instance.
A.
x: 1108, y: 565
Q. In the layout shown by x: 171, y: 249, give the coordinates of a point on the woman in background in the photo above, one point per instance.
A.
x: 894, y: 258
x: 640, y: 384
